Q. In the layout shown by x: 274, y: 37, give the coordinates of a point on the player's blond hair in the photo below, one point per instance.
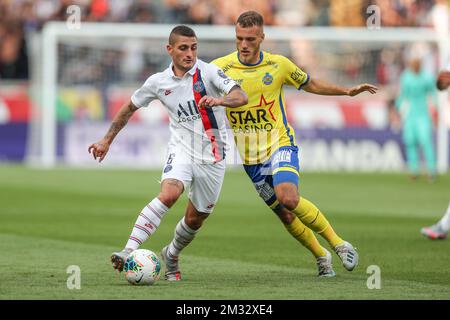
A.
x: 250, y: 19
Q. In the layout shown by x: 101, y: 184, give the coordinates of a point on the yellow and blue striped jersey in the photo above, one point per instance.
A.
x: 261, y: 127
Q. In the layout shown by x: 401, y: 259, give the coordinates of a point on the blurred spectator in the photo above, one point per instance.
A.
x: 200, y: 12
x: 347, y: 13
x: 141, y: 11
x: 404, y: 13
x: 13, y: 52
x: 119, y: 10
x: 389, y: 66
x: 395, y: 120
x: 293, y: 13
x: 320, y: 13
x: 18, y: 17
x: 28, y: 17
x: 175, y: 11
x: 227, y: 12
x: 98, y: 10
x: 439, y: 15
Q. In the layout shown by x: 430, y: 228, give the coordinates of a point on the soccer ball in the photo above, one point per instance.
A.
x: 142, y: 267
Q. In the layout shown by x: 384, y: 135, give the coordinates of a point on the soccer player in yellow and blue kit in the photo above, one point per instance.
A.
x: 266, y: 141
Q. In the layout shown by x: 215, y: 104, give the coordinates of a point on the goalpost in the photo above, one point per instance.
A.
x: 86, y: 72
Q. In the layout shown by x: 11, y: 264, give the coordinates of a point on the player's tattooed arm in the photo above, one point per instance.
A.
x: 235, y: 98
x: 120, y: 121
x: 327, y: 89
x: 100, y: 148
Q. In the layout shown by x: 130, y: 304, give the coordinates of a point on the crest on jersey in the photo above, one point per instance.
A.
x: 198, y: 86
x: 267, y: 79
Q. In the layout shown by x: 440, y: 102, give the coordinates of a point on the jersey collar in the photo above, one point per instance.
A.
x: 190, y: 71
x: 261, y: 56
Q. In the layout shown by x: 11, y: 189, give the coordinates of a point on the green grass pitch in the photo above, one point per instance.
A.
x: 52, y: 219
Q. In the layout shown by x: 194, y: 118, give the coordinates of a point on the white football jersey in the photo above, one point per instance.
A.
x: 198, y: 134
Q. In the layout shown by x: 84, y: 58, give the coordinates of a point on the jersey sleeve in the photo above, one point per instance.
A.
x: 145, y: 94
x: 219, y: 79
x: 294, y: 76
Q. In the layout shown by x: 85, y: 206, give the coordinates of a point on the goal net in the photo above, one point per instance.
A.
x: 86, y: 74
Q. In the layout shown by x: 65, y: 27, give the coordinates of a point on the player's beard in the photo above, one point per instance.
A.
x: 250, y: 57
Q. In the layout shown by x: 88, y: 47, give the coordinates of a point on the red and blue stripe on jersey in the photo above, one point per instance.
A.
x: 208, y: 119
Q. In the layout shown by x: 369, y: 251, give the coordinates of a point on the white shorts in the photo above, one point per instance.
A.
x: 203, y: 180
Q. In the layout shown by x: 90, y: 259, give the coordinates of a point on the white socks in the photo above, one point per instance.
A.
x: 445, y: 221
x: 183, y: 235
x: 146, y: 223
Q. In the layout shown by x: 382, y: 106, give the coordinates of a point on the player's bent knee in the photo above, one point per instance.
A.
x: 289, y: 201
x: 168, y: 199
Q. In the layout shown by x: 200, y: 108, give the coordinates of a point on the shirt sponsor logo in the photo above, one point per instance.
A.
x: 255, y: 118
x: 188, y: 112
x: 228, y: 67
x: 221, y: 74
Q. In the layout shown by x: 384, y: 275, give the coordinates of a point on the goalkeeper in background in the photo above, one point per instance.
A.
x: 266, y: 141
x: 440, y: 229
x: 415, y: 87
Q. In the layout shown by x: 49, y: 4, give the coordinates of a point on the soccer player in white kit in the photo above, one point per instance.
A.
x: 442, y: 227
x: 188, y: 88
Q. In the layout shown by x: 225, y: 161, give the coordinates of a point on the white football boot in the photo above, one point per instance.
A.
x: 434, y: 232
x: 325, y: 266
x: 171, y: 262
x: 348, y: 255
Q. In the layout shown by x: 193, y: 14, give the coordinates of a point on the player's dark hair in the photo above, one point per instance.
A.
x: 181, y: 31
x: 250, y: 19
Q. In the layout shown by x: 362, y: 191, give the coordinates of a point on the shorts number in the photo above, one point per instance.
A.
x: 170, y: 159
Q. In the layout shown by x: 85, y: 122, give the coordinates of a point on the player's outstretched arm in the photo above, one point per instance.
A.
x: 328, y: 89
x: 443, y: 81
x: 100, y: 148
x: 235, y: 98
